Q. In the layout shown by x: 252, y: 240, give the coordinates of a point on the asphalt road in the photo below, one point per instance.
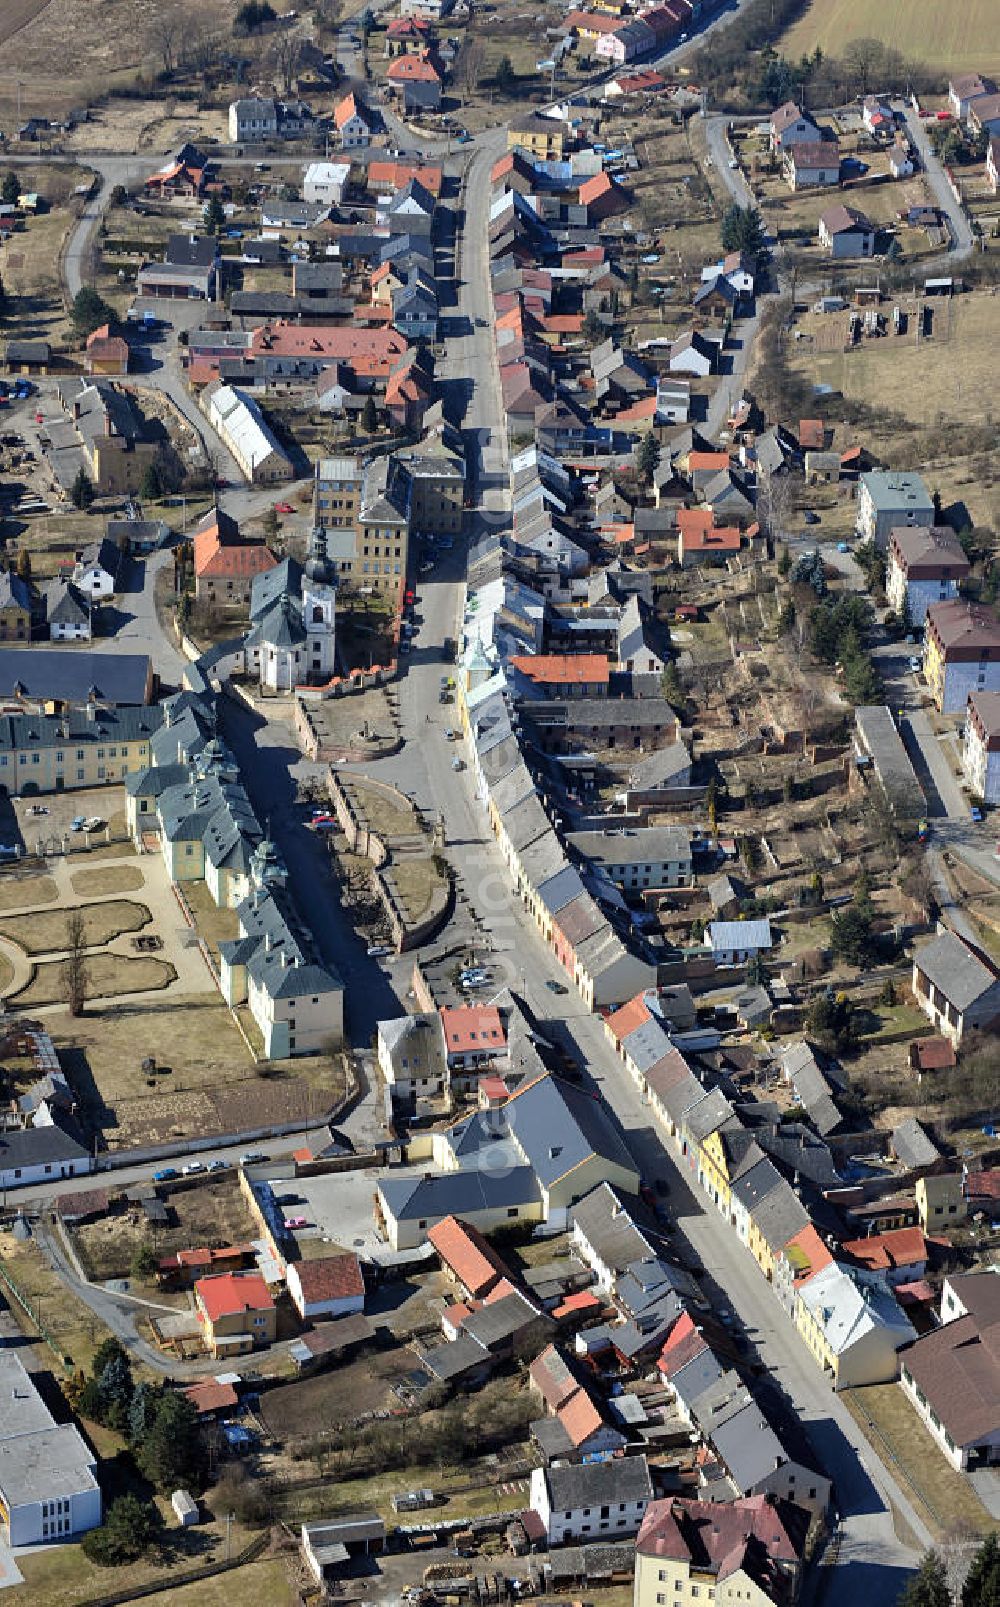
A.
x: 961, y: 231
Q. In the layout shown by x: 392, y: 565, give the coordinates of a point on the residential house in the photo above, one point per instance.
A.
x: 542, y: 139
x: 411, y: 1056
x: 877, y: 117
x: 902, y: 163
x: 225, y: 564
x: 984, y: 117
x: 236, y: 1311
x: 106, y: 353
x: 743, y: 1553
x: 67, y: 612
x: 952, y: 1374
x: 573, y: 1429
x: 253, y: 119
x: 701, y: 541
x: 418, y: 79
x: 961, y: 653
x: 940, y: 1200
x: 42, y: 1154
x: 591, y: 1501
x: 15, y: 607
x: 415, y: 307
x: 474, y: 1039
x: 353, y: 122
x: 981, y: 749
x: 900, y: 1255
x: 926, y: 565
x: 964, y: 89
x: 327, y: 1286
x: 956, y: 987
x: 790, y: 125
x: 890, y: 500
x: 326, y: 182
x: 48, y: 1474
x: 693, y: 354
x: 640, y: 859
x: 606, y: 1235
x: 97, y: 569
x: 813, y: 165
x: 631, y: 39
x: 846, y: 232
x: 853, y: 1325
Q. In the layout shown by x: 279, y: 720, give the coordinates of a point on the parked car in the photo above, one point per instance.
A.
x: 291, y: 1222
x: 165, y: 1174
x: 378, y: 951
x: 810, y: 517
x: 218, y: 1165
x: 77, y: 823
x: 556, y: 987
x: 915, y: 665
x: 8, y: 851
x: 458, y: 764
x: 253, y: 1157
x: 283, y: 507
x: 977, y: 814
x: 192, y: 1167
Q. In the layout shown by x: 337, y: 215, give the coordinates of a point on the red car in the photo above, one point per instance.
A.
x: 283, y: 507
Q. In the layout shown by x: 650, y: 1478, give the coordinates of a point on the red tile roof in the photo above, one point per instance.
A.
x: 932, y: 1054
x: 563, y: 669
x: 232, y: 1293
x: 216, y: 557
x: 369, y: 351
x: 580, y: 1417
x: 466, y: 1254
x: 330, y: 1277
x: 628, y: 1016
x: 473, y: 1027
x: 881, y: 1252
x: 807, y: 1254
x: 394, y: 175
x: 417, y: 69
x: 753, y: 1534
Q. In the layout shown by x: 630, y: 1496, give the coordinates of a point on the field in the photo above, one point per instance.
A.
x: 74, y: 1329
x: 70, y: 50
x: 107, y: 879
x: 927, y: 380
x: 949, y: 38
x: 258, y: 1584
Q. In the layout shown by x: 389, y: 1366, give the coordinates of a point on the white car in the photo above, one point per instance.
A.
x: 192, y: 1167
x: 378, y: 951
x: 915, y: 666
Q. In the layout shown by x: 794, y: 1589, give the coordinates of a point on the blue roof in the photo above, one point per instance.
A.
x: 57, y: 675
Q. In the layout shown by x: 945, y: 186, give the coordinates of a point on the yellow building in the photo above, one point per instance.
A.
x: 853, y: 1325
x: 746, y: 1552
x: 236, y: 1312
x: 541, y: 138
x: 57, y: 753
x: 940, y: 1201
x: 713, y: 1170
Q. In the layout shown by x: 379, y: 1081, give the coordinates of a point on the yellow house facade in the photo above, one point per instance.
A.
x: 542, y: 138
x: 659, y: 1582
x: 940, y: 1201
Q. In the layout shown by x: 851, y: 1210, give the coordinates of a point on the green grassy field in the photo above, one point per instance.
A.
x: 956, y: 38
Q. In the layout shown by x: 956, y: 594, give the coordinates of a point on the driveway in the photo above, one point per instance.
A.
x: 961, y: 231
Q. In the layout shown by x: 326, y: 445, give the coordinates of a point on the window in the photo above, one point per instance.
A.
x: 512, y: 1210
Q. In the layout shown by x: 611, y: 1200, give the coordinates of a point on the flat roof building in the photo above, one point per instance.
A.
x: 48, y: 1487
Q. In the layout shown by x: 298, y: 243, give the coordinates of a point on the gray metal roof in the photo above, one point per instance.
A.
x: 66, y: 676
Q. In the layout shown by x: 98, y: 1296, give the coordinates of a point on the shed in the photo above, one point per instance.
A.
x: 186, y: 1508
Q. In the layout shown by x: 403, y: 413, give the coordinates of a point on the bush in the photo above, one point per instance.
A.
x: 127, y: 1532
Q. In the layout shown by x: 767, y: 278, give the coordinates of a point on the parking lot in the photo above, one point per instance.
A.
x: 338, y: 1208
x: 41, y: 823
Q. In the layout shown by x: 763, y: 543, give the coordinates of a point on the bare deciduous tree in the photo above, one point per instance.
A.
x: 165, y: 34
x: 469, y: 66
x: 75, y: 976
x: 286, y: 53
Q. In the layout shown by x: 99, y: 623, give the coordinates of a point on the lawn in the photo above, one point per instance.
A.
x: 944, y: 1498
x: 108, y: 976
x: 24, y: 892
x: 215, y: 925
x: 108, y: 879
x: 258, y: 1584
x: 45, y: 932
x: 62, y: 1576
x: 949, y: 38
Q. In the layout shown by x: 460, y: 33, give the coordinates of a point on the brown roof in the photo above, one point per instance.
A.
x: 211, y: 1397
x: 553, y: 1377
x: 468, y: 1255
x: 629, y: 1016
x: 881, y: 1252
x: 90, y: 1202
x: 957, y: 1368
x: 932, y: 1054
x: 330, y: 1277
x: 754, y: 1534
x: 840, y: 219
x: 580, y: 1417
x: 971, y: 626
